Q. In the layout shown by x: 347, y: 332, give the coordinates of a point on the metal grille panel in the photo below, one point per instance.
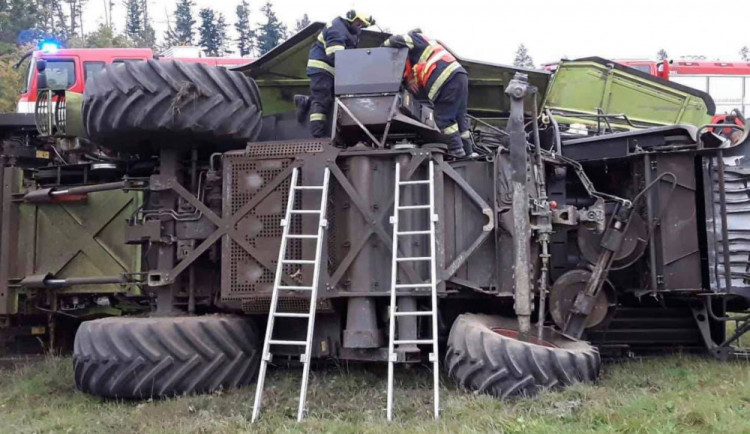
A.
x: 247, y: 173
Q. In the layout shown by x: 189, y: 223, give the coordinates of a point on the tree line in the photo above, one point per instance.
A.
x: 25, y: 22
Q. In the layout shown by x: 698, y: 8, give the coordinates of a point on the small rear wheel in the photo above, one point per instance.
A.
x: 485, y: 355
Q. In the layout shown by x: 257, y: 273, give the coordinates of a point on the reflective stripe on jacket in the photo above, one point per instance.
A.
x: 337, y: 35
x: 429, y: 64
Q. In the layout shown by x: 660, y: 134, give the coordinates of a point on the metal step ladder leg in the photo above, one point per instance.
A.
x: 266, y: 355
x: 431, y: 283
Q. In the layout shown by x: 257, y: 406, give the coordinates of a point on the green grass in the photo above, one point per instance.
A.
x: 675, y: 394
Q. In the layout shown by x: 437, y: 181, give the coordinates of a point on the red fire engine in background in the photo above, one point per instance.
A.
x: 69, y: 68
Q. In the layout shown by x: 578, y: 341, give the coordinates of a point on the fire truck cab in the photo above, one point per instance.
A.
x: 68, y: 69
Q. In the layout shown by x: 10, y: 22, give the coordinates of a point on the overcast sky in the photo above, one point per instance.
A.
x: 492, y: 30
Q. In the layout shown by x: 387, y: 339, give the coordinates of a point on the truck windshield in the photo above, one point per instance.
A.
x: 61, y: 73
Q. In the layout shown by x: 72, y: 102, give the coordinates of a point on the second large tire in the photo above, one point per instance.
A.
x: 127, y: 106
x: 160, y: 357
x: 483, y: 355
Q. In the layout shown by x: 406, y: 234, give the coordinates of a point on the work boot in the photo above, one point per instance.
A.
x: 302, y: 102
x: 457, y: 153
x: 467, y: 143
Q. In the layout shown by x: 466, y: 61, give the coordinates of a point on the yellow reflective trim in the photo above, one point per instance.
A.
x: 317, y: 117
x: 321, y: 39
x: 426, y: 54
x: 409, y: 42
x: 314, y: 63
x: 333, y: 48
x: 450, y: 129
x: 441, y: 79
x: 387, y: 42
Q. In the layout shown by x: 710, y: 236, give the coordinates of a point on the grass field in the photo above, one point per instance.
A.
x: 677, y: 394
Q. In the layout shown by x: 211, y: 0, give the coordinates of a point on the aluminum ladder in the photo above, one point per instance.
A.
x: 278, y: 287
x: 431, y: 283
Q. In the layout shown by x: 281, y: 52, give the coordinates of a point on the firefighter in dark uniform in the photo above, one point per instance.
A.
x: 340, y: 34
x: 430, y: 68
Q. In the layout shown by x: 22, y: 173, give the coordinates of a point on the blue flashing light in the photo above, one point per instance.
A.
x: 49, y: 47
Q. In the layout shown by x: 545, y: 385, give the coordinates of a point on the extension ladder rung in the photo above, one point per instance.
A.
x: 291, y: 315
x: 413, y: 285
x: 414, y: 259
x: 295, y: 288
x: 308, y: 317
x: 413, y: 233
x: 297, y: 261
x: 413, y: 342
x: 418, y: 182
x: 408, y: 207
x: 415, y: 313
x: 291, y: 343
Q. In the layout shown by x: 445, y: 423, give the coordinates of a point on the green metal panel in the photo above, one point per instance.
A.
x: 280, y: 74
x: 582, y: 86
x: 82, y: 239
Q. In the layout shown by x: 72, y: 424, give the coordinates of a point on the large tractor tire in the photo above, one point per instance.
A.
x: 485, y: 355
x: 160, y: 357
x: 170, y: 103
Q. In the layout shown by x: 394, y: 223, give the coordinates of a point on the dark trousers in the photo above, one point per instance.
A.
x: 450, y: 112
x: 321, y: 103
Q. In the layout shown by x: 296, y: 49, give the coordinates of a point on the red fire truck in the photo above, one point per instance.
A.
x: 69, y: 68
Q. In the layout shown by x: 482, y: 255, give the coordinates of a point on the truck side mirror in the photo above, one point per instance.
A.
x: 41, y: 76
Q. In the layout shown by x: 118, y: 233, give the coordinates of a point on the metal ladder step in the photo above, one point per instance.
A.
x: 413, y: 233
x: 298, y: 261
x: 293, y: 343
x: 266, y: 355
x: 414, y: 258
x: 417, y: 182
x: 413, y: 285
x: 416, y: 313
x: 291, y: 315
x: 295, y: 288
x: 410, y: 207
x: 414, y: 342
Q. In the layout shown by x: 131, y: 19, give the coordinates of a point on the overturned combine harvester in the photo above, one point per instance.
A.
x: 600, y: 207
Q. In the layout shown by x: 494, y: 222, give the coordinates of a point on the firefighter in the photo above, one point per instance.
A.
x: 341, y: 34
x: 431, y: 69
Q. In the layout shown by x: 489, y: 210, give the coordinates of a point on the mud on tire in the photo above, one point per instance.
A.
x: 128, y: 105
x: 156, y: 357
x: 480, y: 358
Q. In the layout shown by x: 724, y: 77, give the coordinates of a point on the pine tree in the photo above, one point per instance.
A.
x: 523, y: 59
x: 272, y: 33
x: 213, y: 32
x: 246, y: 39
x: 137, y: 24
x: 184, y: 29
x: 133, y: 23
x: 662, y: 54
x: 302, y: 23
x: 745, y: 53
